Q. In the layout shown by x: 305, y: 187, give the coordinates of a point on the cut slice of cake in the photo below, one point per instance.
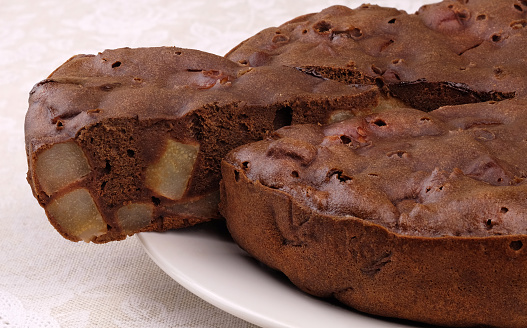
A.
x: 131, y: 140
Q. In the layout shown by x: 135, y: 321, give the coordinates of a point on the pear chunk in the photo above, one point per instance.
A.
x: 205, y: 207
x: 170, y: 175
x: 77, y: 215
x: 60, y: 165
x: 133, y: 217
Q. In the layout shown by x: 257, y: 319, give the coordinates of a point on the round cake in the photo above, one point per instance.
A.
x: 418, y: 208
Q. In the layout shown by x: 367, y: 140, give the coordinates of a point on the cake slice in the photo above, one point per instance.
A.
x: 131, y: 140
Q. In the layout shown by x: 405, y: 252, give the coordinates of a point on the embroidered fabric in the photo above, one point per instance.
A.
x: 13, y: 314
x: 45, y: 280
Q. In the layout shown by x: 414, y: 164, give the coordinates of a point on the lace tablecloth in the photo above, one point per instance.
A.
x: 45, y: 280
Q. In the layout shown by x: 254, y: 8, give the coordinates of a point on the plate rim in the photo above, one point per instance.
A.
x: 206, y: 234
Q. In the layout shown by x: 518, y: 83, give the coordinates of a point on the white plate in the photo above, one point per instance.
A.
x: 207, y: 262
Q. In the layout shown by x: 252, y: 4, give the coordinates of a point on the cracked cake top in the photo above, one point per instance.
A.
x: 475, y: 45
x: 447, y: 160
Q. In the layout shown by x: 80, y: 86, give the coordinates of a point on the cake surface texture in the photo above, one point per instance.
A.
x: 131, y: 140
x: 371, y: 155
x: 416, y: 209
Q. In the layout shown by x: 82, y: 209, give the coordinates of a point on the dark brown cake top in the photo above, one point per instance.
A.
x: 449, y: 162
x: 158, y: 83
x: 459, y: 170
x: 476, y: 43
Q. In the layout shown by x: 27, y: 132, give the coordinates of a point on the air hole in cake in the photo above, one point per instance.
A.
x: 156, y: 201
x: 504, y: 210
x: 516, y: 245
x: 397, y: 153
x: 103, y: 185
x: 280, y: 38
x: 391, y: 21
x: 340, y: 175
x: 345, y: 139
x: 130, y: 153
x: 496, y: 38
x: 518, y: 7
x: 322, y: 27
x: 116, y: 64
x: 425, y: 119
x: 462, y: 15
x: 387, y: 44
x: 109, y: 86
x: 304, y: 31
x: 518, y: 24
x: 379, y: 82
x: 177, y: 53
x: 245, y: 165
x: 379, y: 122
x: 344, y: 178
x: 236, y: 175
x: 376, y: 70
x: 60, y: 125
x: 356, y: 32
x: 283, y: 117
x: 489, y: 224
x: 481, y: 17
x: 94, y: 111
x: 107, y: 167
x: 294, y: 174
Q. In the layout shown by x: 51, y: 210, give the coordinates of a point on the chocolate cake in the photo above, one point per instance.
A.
x: 416, y: 209
x: 395, y: 179
x: 131, y: 140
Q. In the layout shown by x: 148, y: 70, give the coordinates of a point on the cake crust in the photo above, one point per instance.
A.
x: 447, y: 281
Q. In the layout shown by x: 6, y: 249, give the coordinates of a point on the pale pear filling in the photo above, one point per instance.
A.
x: 77, y: 215
x: 205, y: 207
x: 170, y: 175
x: 60, y: 165
x: 134, y: 217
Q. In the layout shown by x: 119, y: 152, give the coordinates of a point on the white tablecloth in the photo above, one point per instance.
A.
x: 45, y: 280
